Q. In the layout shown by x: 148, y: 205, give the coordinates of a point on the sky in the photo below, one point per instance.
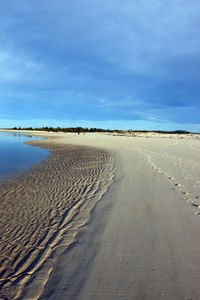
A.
x: 118, y: 64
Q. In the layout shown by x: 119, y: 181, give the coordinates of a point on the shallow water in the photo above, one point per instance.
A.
x: 15, y: 155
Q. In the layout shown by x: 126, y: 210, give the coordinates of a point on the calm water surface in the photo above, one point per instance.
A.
x: 15, y: 155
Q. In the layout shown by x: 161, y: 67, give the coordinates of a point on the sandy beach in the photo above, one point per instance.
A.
x: 106, y: 216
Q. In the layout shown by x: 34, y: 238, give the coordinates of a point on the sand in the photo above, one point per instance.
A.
x: 134, y: 236
x: 40, y: 216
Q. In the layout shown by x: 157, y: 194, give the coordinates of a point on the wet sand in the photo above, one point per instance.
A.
x: 141, y: 241
x: 42, y: 210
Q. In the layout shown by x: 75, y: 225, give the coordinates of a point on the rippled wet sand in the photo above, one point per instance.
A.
x: 41, y: 210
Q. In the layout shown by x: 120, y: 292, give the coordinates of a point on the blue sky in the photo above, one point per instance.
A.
x: 120, y: 64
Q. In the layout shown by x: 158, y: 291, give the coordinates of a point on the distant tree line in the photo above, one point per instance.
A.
x: 69, y: 129
x: 85, y: 130
x: 162, y: 131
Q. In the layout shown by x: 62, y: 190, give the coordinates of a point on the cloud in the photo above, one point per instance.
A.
x: 100, y: 60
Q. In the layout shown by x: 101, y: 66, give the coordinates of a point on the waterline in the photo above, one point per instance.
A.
x: 15, y: 155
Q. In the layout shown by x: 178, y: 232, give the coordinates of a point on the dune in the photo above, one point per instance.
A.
x: 104, y: 217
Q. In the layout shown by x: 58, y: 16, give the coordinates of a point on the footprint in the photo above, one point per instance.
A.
x: 178, y: 184
x: 188, y: 199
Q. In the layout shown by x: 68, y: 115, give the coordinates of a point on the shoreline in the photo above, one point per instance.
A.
x: 43, y: 208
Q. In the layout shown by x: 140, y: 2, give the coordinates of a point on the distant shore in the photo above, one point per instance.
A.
x: 95, y: 130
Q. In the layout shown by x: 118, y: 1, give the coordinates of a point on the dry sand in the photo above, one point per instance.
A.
x: 141, y: 241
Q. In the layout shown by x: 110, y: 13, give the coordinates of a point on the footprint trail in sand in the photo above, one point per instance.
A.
x: 183, y: 173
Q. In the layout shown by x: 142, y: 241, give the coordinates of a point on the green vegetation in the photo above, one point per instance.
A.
x: 84, y: 130
x: 70, y: 129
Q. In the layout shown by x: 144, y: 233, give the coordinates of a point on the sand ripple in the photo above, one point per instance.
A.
x: 41, y: 211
